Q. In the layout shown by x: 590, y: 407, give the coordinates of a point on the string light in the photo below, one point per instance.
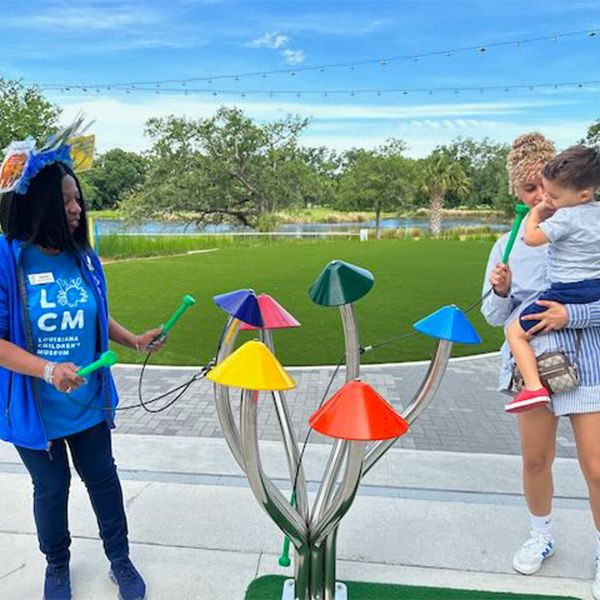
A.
x: 382, y: 61
x: 474, y: 88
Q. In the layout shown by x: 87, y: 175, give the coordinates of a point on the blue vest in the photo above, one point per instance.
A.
x: 20, y: 417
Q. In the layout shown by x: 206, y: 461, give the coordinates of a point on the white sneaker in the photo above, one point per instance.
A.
x: 532, y: 554
x: 596, y: 584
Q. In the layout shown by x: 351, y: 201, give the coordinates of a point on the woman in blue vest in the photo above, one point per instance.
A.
x: 54, y: 318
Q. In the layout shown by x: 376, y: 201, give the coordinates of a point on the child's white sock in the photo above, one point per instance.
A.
x: 598, y: 544
x: 543, y: 524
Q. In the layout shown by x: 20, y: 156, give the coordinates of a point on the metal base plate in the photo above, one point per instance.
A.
x: 341, y: 591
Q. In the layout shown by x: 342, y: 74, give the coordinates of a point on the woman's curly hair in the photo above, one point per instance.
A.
x: 527, y: 157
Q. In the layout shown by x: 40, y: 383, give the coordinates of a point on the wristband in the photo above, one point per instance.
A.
x: 49, y: 372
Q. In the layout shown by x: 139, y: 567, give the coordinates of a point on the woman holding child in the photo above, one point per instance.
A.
x: 562, y: 232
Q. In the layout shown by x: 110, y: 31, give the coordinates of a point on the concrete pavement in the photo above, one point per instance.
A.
x: 431, y: 518
x: 466, y: 416
x: 442, y: 509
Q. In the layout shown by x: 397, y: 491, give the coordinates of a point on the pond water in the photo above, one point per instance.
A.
x: 177, y: 227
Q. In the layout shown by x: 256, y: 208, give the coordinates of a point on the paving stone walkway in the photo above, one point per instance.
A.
x: 466, y: 415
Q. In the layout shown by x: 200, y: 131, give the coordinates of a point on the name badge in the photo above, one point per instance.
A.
x: 40, y: 278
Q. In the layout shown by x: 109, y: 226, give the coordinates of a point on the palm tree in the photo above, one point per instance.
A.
x: 439, y: 175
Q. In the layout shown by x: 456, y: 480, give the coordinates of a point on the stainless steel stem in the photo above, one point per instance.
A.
x: 348, y: 488
x: 224, y: 412
x: 290, y: 443
x: 269, y: 497
x: 352, y: 346
x: 420, y: 401
x: 338, y: 453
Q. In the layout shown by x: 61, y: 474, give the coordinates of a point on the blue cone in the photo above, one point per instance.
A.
x: 241, y: 304
x: 449, y: 323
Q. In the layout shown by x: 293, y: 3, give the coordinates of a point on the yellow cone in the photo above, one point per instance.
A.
x: 252, y: 367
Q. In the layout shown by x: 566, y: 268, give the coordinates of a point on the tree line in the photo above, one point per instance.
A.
x: 231, y: 168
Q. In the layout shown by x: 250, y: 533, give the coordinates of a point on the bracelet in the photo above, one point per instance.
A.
x: 49, y: 372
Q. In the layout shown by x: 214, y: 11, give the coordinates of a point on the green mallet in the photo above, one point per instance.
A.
x: 521, y: 210
x: 107, y: 359
x: 284, y: 559
x: 185, y: 304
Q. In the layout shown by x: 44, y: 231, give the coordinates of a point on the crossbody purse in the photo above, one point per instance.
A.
x: 557, y: 372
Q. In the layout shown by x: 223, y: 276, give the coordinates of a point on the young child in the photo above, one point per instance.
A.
x: 573, y: 232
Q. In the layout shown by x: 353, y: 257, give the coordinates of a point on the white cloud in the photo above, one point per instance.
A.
x: 293, y: 57
x: 271, y: 39
x: 274, y: 40
x: 84, y: 18
x: 120, y: 121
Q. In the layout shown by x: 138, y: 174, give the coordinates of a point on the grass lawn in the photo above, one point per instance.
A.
x: 269, y: 588
x: 412, y: 279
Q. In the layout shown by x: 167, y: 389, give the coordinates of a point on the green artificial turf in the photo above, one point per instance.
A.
x: 269, y: 587
x: 412, y: 279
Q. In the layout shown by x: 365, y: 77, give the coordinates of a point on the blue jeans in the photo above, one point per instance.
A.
x: 579, y: 292
x: 91, y: 452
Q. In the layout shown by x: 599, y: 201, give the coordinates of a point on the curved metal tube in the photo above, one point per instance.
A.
x: 420, y: 401
x: 336, y: 457
x: 265, y: 492
x: 302, y: 573
x: 348, y: 488
x: 328, y: 552
x: 224, y: 412
x: 289, y: 441
x: 334, y: 463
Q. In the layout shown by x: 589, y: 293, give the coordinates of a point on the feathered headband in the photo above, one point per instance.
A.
x: 68, y: 146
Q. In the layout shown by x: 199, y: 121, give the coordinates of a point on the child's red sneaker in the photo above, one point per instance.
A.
x: 528, y: 399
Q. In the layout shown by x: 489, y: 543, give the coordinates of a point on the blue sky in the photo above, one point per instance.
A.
x: 106, y: 42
